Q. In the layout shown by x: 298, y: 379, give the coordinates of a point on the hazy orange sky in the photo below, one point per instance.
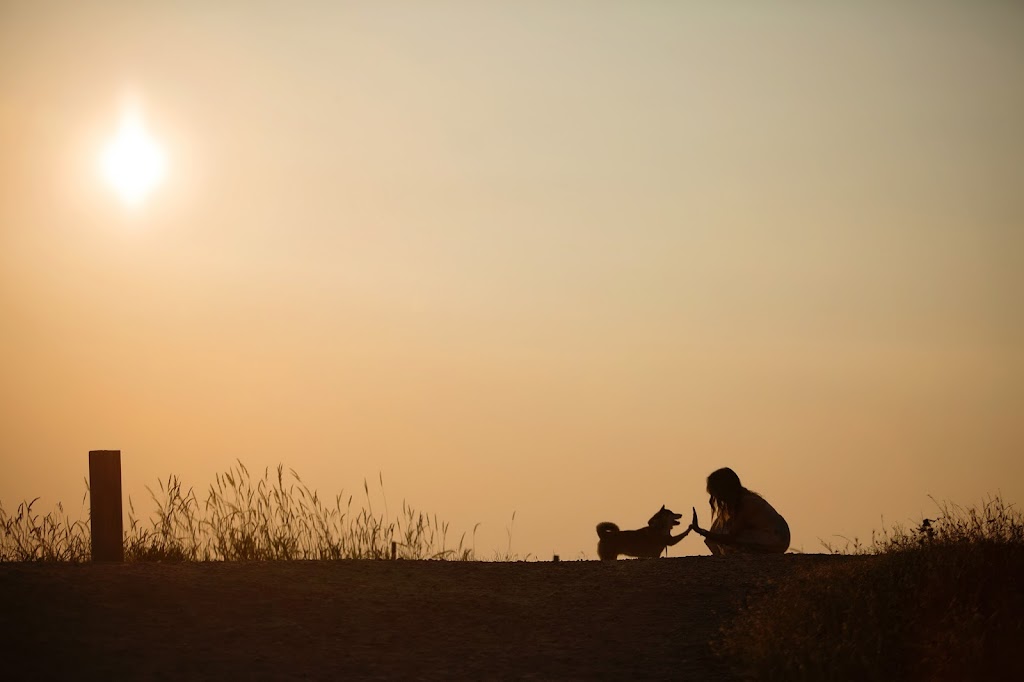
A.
x: 557, y: 258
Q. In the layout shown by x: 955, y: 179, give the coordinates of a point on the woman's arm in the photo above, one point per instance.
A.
x: 720, y: 538
x: 731, y: 538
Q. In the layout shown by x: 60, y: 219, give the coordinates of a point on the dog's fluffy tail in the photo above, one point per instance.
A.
x: 606, y: 528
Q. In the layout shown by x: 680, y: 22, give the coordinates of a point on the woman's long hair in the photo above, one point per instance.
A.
x: 726, y: 492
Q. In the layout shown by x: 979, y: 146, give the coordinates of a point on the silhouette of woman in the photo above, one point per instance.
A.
x: 743, y: 521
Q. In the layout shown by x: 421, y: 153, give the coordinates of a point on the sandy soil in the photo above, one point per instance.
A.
x: 378, y: 619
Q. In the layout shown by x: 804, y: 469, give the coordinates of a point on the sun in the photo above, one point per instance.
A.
x: 133, y: 163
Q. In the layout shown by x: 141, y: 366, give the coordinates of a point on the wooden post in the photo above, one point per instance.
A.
x: 394, y: 550
x: 105, y: 505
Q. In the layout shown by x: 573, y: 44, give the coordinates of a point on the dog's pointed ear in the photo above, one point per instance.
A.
x: 662, y: 508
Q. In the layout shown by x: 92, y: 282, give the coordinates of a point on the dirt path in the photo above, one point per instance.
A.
x: 376, y: 619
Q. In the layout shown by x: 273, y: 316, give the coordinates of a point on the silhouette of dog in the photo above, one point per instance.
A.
x: 644, y: 543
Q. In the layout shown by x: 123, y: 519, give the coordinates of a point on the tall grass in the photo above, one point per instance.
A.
x: 943, y: 600
x: 25, y: 535
x: 239, y: 518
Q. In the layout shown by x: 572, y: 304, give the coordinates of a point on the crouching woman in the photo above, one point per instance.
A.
x: 743, y: 521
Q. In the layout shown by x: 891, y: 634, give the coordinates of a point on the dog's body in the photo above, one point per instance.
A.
x: 645, y: 543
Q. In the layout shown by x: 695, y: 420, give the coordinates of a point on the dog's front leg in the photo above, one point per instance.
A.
x: 679, y: 537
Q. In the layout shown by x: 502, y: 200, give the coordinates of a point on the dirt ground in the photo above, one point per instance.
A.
x: 377, y: 619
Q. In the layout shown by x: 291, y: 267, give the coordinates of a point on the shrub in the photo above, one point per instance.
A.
x: 942, y: 601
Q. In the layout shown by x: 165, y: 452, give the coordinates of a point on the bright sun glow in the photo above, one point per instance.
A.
x: 133, y: 162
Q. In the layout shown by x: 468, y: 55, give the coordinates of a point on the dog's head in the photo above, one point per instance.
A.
x: 664, y: 520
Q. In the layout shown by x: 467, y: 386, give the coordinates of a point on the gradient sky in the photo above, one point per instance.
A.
x: 557, y: 258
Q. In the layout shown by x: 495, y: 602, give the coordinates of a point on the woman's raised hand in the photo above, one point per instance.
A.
x: 695, y: 524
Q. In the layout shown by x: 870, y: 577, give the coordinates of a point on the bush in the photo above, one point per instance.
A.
x: 944, y: 601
